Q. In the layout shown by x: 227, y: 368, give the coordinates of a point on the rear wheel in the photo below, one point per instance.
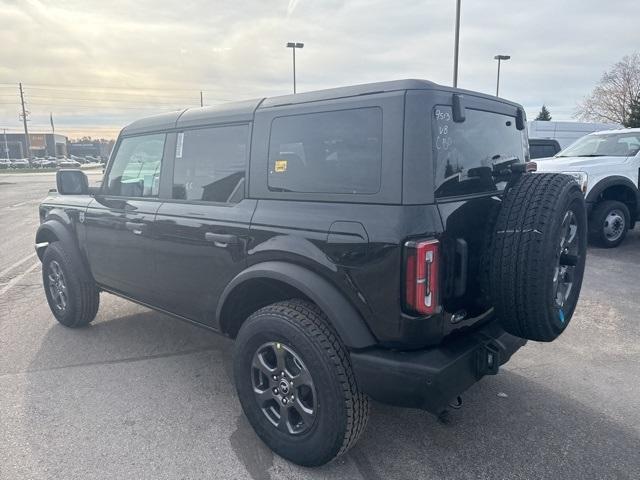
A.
x: 72, y: 297
x: 295, y: 383
x: 609, y: 223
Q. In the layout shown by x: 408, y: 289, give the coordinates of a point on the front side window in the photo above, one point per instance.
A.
x: 604, y: 145
x: 327, y: 152
x: 210, y: 164
x: 136, y: 167
x: 467, y: 154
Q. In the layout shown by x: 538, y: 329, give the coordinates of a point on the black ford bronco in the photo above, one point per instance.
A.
x: 384, y: 241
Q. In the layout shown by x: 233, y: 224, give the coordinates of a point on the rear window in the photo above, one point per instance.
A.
x: 327, y: 152
x: 466, y: 153
x: 542, y: 151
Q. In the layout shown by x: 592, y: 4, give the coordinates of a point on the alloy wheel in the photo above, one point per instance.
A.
x: 283, y: 388
x: 568, y: 258
x: 57, y: 286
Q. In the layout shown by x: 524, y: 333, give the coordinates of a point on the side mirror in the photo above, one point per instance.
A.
x: 72, y: 182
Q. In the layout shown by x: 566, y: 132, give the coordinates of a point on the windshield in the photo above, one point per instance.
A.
x: 609, y: 145
x: 465, y: 153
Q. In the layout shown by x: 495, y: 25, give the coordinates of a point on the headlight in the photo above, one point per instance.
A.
x: 581, y: 177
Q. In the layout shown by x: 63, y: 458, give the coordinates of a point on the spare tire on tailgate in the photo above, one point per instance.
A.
x: 537, y: 255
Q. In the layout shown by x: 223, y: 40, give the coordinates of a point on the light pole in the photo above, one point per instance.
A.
x: 456, y: 46
x: 6, y: 145
x: 500, y: 58
x: 293, y: 46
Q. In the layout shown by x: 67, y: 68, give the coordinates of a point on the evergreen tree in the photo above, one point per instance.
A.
x: 633, y: 121
x: 544, y: 114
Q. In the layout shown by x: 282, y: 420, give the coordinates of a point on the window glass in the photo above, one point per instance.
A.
x: 210, y: 164
x: 136, y: 167
x: 604, y: 145
x: 541, y: 151
x: 329, y: 152
x: 467, y: 153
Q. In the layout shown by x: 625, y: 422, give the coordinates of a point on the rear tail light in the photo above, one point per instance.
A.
x: 421, y: 276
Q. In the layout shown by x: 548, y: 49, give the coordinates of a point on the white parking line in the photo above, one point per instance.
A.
x: 17, y: 264
x: 15, y: 280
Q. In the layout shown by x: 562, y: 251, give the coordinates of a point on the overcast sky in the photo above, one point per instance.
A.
x: 98, y: 65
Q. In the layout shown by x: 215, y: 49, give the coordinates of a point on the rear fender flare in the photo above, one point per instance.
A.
x: 343, y: 316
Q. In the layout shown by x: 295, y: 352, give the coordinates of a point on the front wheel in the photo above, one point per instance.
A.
x: 609, y: 224
x: 295, y: 383
x: 72, y: 297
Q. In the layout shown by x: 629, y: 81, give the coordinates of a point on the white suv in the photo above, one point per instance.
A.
x: 607, y: 166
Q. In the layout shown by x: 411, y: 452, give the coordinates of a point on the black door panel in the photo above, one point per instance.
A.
x: 200, y: 248
x: 120, y: 238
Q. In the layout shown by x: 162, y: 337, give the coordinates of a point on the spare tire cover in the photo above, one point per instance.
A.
x: 537, y: 254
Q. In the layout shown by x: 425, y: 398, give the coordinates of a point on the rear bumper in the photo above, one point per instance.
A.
x: 430, y: 379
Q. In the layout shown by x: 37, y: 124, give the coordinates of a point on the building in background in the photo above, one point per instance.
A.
x: 84, y: 148
x: 87, y: 147
x: 42, y: 145
x: 565, y: 132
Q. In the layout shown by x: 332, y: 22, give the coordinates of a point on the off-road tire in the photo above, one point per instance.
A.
x: 525, y: 254
x: 83, y: 297
x: 597, y: 234
x: 342, y: 410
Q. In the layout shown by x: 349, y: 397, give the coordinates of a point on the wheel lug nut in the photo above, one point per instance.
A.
x: 282, y: 374
x: 275, y: 391
x: 275, y: 377
x: 284, y: 401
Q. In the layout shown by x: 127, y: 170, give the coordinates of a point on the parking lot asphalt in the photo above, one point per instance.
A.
x: 138, y: 395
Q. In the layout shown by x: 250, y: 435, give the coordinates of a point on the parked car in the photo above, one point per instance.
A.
x: 44, y: 163
x: 543, y: 148
x: 607, y: 165
x: 381, y: 241
x: 68, y: 163
x: 20, y: 163
x: 4, y: 163
x: 81, y: 160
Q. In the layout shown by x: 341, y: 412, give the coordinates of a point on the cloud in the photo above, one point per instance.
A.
x: 102, y: 64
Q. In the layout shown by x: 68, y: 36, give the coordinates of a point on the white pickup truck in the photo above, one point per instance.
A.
x: 607, y: 166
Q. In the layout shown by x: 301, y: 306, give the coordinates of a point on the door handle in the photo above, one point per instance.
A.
x: 220, y: 239
x: 137, y: 228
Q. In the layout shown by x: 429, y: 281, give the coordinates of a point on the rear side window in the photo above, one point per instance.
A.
x: 542, y: 151
x: 136, y: 167
x: 328, y: 152
x: 210, y: 164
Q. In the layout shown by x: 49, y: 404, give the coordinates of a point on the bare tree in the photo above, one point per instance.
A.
x: 611, y: 99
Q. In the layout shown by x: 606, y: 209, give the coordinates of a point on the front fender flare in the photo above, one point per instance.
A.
x: 341, y: 313
x: 64, y: 236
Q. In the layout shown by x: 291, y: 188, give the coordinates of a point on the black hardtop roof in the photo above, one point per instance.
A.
x: 243, y: 111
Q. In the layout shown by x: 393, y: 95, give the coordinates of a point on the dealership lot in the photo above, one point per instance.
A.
x: 140, y: 395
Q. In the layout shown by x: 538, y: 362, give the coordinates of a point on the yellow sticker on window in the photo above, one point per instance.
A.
x: 281, y: 166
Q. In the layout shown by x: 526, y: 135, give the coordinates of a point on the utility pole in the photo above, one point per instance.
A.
x: 6, y: 145
x: 24, y: 122
x: 456, y: 46
x: 201, y: 100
